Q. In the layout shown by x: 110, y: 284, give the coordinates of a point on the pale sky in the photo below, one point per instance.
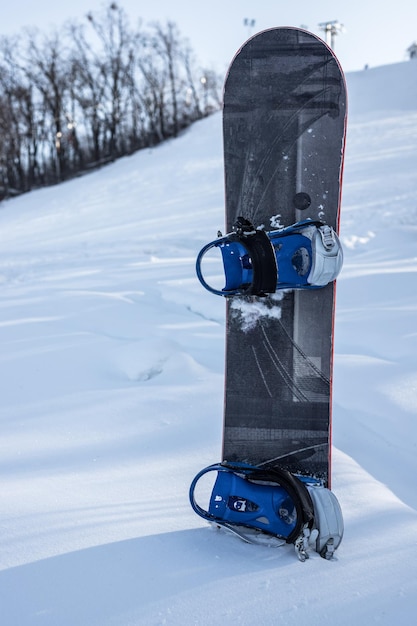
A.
x: 376, y: 33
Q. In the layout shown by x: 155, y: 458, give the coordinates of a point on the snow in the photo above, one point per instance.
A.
x: 111, y: 370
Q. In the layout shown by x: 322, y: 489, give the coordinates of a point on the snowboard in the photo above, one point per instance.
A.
x: 284, y: 121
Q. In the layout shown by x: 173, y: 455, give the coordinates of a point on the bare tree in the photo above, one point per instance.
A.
x: 211, y: 87
x: 166, y: 43
x: 91, y: 92
x: 19, y: 137
x: 47, y: 70
x: 193, y: 99
x: 152, y: 91
x: 88, y: 91
x: 114, y: 35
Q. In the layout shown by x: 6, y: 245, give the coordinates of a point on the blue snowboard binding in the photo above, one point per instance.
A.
x: 306, y: 255
x: 295, y: 509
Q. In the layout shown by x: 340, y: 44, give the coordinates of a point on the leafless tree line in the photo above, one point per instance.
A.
x: 92, y: 92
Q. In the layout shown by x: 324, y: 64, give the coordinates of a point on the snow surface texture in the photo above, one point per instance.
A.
x: 112, y: 388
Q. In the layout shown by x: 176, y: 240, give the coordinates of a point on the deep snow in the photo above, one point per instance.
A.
x: 111, y: 370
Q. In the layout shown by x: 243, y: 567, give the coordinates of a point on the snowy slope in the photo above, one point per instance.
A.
x: 111, y: 370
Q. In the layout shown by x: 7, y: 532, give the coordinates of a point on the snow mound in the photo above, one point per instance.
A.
x: 385, y: 88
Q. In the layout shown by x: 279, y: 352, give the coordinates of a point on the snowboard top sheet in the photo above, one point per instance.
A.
x: 284, y: 120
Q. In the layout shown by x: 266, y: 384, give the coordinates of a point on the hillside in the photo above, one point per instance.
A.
x: 111, y: 370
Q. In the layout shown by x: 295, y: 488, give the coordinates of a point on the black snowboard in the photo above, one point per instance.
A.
x: 284, y: 127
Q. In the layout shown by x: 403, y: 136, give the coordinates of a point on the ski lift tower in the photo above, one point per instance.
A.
x: 412, y: 50
x: 331, y: 29
x: 250, y: 25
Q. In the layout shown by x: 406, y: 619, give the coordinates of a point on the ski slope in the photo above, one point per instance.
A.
x: 111, y: 386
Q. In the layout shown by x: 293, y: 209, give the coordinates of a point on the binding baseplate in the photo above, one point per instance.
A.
x: 292, y: 509
x: 306, y: 255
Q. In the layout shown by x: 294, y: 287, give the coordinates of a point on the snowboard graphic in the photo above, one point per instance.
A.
x: 284, y: 128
